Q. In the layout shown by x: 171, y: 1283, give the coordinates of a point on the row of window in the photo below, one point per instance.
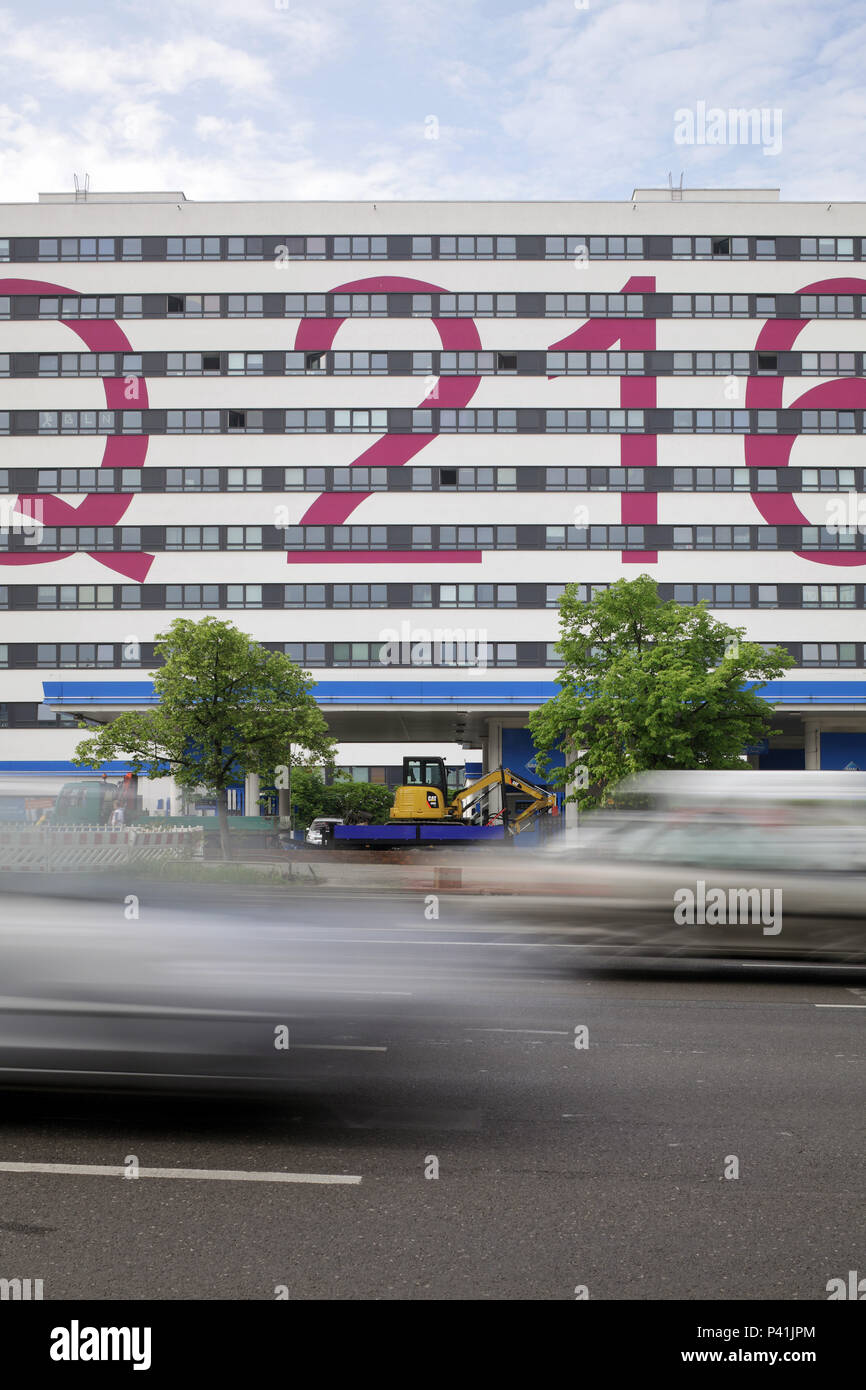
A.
x: 435, y: 538
x: 74, y: 597
x: 361, y: 478
x: 426, y: 647
x: 523, y: 305
x: 399, y: 363
x: 433, y: 421
x: 443, y: 248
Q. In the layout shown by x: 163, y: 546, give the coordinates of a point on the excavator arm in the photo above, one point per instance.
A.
x: 503, y: 777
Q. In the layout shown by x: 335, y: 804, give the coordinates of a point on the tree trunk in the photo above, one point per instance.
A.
x: 223, y: 818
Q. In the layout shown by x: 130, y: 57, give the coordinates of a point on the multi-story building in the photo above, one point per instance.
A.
x: 383, y: 436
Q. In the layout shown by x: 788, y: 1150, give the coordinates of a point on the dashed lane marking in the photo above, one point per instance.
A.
x: 104, y: 1170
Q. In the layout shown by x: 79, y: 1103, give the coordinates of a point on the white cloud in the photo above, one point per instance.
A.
x: 75, y: 65
x: 236, y: 98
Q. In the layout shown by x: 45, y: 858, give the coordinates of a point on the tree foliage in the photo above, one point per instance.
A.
x: 351, y: 801
x: 648, y: 685
x: 227, y: 707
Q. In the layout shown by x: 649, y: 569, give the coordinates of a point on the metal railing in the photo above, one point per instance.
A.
x: 67, y: 848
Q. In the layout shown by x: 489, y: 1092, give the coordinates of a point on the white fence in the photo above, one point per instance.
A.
x: 65, y: 849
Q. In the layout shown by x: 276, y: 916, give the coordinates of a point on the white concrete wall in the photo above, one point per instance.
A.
x: 174, y: 216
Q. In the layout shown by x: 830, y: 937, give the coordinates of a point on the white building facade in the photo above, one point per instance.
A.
x: 382, y: 437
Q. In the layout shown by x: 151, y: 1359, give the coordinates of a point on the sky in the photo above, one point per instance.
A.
x: 431, y: 99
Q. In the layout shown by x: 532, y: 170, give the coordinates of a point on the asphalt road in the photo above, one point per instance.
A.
x: 559, y: 1166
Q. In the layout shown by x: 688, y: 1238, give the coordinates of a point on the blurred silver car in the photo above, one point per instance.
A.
x: 716, y: 864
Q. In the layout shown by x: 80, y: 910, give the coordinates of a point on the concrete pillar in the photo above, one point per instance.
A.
x: 813, y: 745
x: 485, y: 753
x: 251, y: 794
x: 285, y: 806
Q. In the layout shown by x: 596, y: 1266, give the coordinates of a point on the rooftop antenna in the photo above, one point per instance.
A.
x: 676, y: 193
x: 81, y: 193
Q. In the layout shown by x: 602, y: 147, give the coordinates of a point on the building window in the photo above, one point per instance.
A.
x: 243, y: 538
x: 827, y: 248
x: 829, y: 596
x: 828, y: 364
x: 594, y: 421
x: 360, y: 421
x: 305, y: 306
x: 360, y: 305
x: 594, y: 538
x: 708, y: 306
x: 299, y: 248
x: 360, y: 479
x: 192, y: 538
x: 593, y: 306
x: 829, y: 654
x: 350, y: 363
x: 304, y: 596
x: 477, y: 248
x: 192, y: 422
x: 827, y: 479
x: 360, y: 248
x: 304, y: 537
x: 192, y: 596
x: 244, y: 248
x: 828, y: 422
x: 192, y: 248
x: 305, y: 422
x: 827, y: 306
x: 360, y: 596
x: 193, y: 306
x: 713, y: 421
x: 192, y: 480
x: 479, y: 306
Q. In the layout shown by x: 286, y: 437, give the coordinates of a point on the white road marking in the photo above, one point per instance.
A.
x: 799, y: 966
x: 542, y: 1032
x: 210, y: 1174
x: 840, y: 1006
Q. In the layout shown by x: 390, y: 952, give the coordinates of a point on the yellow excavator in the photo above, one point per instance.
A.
x: 428, y: 811
x: 424, y: 795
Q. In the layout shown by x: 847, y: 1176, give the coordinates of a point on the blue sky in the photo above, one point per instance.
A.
x: 240, y: 99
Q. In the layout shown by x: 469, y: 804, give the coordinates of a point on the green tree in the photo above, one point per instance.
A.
x: 227, y: 707
x: 308, y: 796
x: 648, y: 685
x: 351, y: 801
x: 358, y: 801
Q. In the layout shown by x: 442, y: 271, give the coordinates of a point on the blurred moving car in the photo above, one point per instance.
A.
x: 714, y: 864
x: 213, y: 988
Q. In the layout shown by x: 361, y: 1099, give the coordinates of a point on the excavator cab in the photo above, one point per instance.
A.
x: 423, y: 794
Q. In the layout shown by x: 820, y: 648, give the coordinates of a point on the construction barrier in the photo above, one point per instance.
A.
x: 65, y: 849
